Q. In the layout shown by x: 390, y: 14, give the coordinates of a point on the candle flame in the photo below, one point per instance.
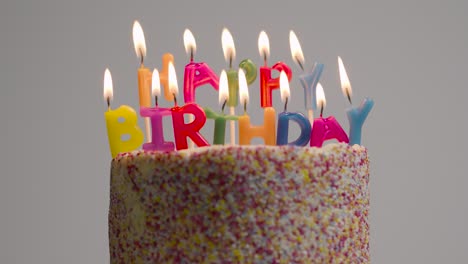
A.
x: 189, y: 42
x: 139, y: 40
x: 284, y: 87
x: 345, y: 84
x: 108, y: 87
x: 155, y: 83
x: 223, y: 88
x: 296, y: 50
x: 263, y: 45
x: 243, y: 89
x: 321, y: 101
x: 173, y: 87
x: 228, y: 46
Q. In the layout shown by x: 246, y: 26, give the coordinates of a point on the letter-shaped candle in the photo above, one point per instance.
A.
x: 325, y: 128
x: 285, y: 117
x: 196, y: 73
x: 310, y: 79
x: 191, y: 130
x: 182, y: 131
x: 220, y: 119
x: 250, y: 70
x: 246, y: 131
x: 156, y: 115
x: 268, y: 84
x: 356, y: 115
x: 120, y: 123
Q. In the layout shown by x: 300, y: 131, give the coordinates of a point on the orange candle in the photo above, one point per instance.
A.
x: 247, y: 132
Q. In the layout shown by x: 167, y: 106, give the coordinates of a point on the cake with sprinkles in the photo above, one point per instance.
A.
x: 241, y: 204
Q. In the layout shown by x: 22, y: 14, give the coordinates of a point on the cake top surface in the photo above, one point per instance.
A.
x: 329, y: 149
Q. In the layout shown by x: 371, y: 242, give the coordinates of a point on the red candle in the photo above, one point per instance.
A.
x: 268, y: 84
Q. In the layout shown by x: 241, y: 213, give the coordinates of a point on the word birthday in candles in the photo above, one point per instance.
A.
x: 232, y: 87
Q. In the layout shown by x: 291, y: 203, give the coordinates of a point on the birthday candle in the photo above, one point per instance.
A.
x: 116, y: 128
x: 285, y: 117
x: 309, y: 79
x: 156, y: 115
x: 220, y: 119
x: 325, y: 128
x: 246, y: 131
x: 183, y: 131
x: 233, y: 83
x: 268, y: 84
x: 356, y: 115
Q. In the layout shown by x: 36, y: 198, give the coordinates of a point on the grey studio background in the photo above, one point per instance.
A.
x: 409, y: 56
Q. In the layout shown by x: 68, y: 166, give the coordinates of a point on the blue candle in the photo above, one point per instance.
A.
x: 283, y: 129
x: 309, y: 83
x: 284, y: 117
x: 356, y: 117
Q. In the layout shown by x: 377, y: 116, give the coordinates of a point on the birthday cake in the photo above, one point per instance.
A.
x: 241, y: 204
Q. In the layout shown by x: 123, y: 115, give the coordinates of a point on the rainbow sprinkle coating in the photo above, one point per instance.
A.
x: 234, y: 204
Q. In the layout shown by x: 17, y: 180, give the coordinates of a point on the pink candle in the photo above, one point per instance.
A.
x: 156, y: 115
x: 268, y: 84
x: 325, y: 128
x: 196, y: 74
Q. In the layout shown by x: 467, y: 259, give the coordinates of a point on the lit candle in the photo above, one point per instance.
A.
x: 284, y: 117
x: 121, y: 122
x: 356, y: 115
x: 310, y: 79
x: 325, y: 128
x: 250, y: 72
x: 220, y: 119
x: 268, y: 84
x: 196, y: 73
x: 182, y: 131
x: 144, y: 74
x: 156, y: 115
x: 246, y: 131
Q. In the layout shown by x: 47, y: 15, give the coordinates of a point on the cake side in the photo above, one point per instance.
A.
x: 253, y: 204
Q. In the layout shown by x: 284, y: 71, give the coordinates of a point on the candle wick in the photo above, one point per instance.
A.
x: 191, y: 54
x: 265, y: 59
x: 142, y: 58
x: 175, y: 99
x: 156, y: 100
x: 230, y: 62
x: 349, y: 97
x: 321, y: 110
x: 245, y: 107
x: 286, y: 104
x: 108, y: 104
x: 300, y: 64
x: 224, y: 105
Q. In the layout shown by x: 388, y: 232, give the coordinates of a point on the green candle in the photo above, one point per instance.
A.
x: 220, y: 125
x: 250, y: 70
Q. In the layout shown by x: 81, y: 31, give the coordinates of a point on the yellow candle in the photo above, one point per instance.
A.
x: 122, y: 129
x: 266, y: 131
